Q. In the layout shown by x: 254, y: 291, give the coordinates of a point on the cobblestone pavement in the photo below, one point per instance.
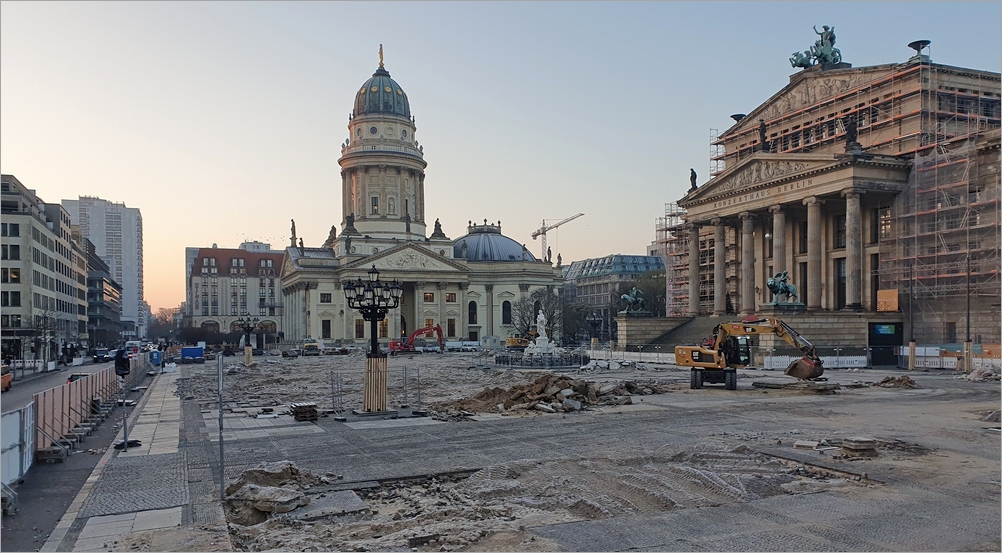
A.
x: 937, y: 482
x: 132, y: 484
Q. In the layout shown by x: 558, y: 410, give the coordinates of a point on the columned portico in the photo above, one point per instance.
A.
x: 778, y: 239
x: 747, y: 263
x: 719, y: 274
x: 693, y: 269
x: 813, y: 252
x: 853, y: 242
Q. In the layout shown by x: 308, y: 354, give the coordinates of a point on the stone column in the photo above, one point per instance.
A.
x: 693, y: 269
x: 747, y: 263
x: 778, y: 239
x: 464, y: 309
x: 719, y: 278
x: 489, y: 323
x: 418, y: 306
x: 442, y: 286
x: 813, y: 252
x: 853, y: 251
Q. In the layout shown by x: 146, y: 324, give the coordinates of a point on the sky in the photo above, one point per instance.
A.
x: 221, y: 121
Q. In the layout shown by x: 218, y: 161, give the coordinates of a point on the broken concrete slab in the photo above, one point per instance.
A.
x: 269, y: 499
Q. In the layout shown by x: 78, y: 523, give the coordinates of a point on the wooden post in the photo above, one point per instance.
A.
x: 374, y: 385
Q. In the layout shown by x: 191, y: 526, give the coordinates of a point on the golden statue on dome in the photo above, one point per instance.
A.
x: 380, y: 55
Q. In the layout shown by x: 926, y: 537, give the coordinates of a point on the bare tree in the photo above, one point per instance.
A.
x: 525, y: 310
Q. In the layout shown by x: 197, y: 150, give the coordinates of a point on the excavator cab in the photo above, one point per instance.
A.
x: 737, y: 351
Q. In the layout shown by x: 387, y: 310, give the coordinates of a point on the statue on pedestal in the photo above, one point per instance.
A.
x: 541, y: 325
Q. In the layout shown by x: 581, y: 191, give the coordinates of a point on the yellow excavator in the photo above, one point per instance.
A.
x: 716, y: 361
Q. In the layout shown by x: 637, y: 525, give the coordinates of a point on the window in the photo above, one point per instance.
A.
x: 325, y: 328
x: 429, y: 323
x: 506, y: 313
x: 429, y: 296
x: 839, y: 238
x: 15, y: 299
x: 384, y: 328
x: 375, y: 205
x: 450, y: 297
x: 4, y: 299
x: 4, y: 275
x: 10, y: 252
x: 324, y: 297
x: 359, y: 328
x: 881, y: 225
x: 450, y: 328
x: 473, y: 313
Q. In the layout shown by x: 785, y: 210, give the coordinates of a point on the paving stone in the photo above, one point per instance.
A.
x: 129, y: 484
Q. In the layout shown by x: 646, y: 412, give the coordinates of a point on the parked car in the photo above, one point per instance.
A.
x: 76, y: 376
x: 102, y: 355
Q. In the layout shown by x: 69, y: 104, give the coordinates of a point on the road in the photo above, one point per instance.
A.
x: 22, y: 391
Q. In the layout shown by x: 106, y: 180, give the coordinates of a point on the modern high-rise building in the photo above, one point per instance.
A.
x: 117, y: 234
x: 43, y: 295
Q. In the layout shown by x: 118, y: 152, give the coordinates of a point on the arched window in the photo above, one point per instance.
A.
x: 506, y: 313
x: 473, y: 313
x: 536, y: 308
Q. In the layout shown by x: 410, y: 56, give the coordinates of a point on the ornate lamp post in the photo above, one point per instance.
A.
x: 248, y: 325
x: 595, y: 321
x: 373, y: 299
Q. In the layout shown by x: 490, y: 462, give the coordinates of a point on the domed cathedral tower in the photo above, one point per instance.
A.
x: 382, y: 166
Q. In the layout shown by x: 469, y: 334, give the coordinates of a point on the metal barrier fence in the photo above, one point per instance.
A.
x: 17, y: 434
x: 942, y: 356
x: 403, y: 389
x: 61, y: 409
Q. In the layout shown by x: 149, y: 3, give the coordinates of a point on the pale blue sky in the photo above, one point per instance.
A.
x: 221, y: 121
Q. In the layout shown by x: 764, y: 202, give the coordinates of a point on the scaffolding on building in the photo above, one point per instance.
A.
x: 939, y: 240
x: 673, y: 243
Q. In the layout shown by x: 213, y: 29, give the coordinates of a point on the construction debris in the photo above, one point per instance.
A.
x: 903, y: 381
x: 306, y: 411
x: 277, y: 487
x: 982, y: 374
x: 553, y: 393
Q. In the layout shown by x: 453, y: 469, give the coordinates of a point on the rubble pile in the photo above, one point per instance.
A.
x: 903, y: 381
x: 489, y: 510
x: 982, y: 374
x: 277, y: 487
x: 551, y: 393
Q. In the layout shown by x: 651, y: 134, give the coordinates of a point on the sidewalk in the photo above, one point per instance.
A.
x: 144, y: 489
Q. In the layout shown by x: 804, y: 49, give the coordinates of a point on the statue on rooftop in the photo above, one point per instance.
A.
x: 692, y: 179
x: 331, y: 238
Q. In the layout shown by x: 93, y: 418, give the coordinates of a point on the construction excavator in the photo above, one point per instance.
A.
x: 716, y: 361
x: 407, y: 345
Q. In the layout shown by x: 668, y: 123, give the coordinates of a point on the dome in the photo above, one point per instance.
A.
x: 381, y: 94
x: 486, y: 243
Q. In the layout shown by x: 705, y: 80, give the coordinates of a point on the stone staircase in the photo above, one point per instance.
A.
x: 692, y: 332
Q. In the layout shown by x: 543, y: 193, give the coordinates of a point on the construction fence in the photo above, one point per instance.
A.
x: 939, y: 356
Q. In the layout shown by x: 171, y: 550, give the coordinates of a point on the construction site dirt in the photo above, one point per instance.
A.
x: 609, y: 458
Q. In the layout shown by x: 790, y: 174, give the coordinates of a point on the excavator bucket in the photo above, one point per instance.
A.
x: 805, y: 368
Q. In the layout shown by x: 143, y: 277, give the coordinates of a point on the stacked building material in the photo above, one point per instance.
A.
x: 304, y: 411
x: 859, y: 447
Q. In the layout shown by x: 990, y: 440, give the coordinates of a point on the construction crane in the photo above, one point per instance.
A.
x: 541, y: 231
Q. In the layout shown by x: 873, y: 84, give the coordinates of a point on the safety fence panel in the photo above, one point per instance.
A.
x: 61, y: 409
x: 17, y: 439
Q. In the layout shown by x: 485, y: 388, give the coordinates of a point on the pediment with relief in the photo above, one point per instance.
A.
x: 409, y: 258
x: 809, y: 90
x: 756, y: 172
x: 288, y: 267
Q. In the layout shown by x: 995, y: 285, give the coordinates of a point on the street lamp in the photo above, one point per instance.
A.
x: 373, y: 299
x: 595, y: 321
x: 248, y: 325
